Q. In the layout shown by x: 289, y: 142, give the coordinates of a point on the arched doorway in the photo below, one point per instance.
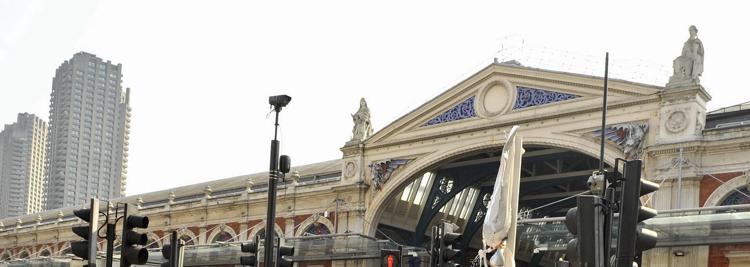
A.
x: 458, y: 189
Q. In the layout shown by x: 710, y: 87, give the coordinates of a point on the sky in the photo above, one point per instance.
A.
x: 201, y: 71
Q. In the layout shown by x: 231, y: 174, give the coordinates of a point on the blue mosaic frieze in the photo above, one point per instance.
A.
x: 461, y: 111
x: 529, y: 97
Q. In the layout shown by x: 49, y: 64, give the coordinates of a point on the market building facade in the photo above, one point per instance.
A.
x: 438, y: 163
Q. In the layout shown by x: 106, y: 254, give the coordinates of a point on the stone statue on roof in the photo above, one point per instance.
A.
x: 362, y: 126
x: 688, y: 67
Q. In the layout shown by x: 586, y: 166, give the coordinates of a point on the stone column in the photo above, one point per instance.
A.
x: 289, y: 227
x: 202, y: 235
x: 683, y: 114
x: 243, y: 231
x: 675, y: 158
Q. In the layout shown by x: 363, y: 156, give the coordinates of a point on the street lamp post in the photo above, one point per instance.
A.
x: 278, y: 102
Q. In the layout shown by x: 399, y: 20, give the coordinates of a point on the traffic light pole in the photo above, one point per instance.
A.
x: 86, y: 248
x: 123, y: 246
x: 93, y: 236
x: 110, y: 243
x: 271, y: 211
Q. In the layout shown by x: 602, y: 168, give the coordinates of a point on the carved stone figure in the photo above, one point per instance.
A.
x: 362, y: 126
x: 688, y: 67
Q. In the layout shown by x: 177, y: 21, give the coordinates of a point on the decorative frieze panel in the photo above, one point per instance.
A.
x: 495, y: 99
x: 629, y: 137
x: 461, y: 111
x: 381, y: 171
x: 529, y: 97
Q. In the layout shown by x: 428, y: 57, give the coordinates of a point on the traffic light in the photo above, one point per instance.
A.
x: 250, y: 247
x: 284, y: 251
x: 86, y: 249
x: 390, y: 258
x: 633, y: 238
x: 172, y: 251
x: 447, y: 255
x: 132, y: 250
x: 586, y: 223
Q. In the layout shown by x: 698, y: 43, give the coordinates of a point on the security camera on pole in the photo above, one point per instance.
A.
x: 275, y: 172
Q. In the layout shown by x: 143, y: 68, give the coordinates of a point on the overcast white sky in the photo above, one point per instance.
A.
x: 201, y: 72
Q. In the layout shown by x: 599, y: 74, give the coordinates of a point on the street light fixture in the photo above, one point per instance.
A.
x: 278, y: 102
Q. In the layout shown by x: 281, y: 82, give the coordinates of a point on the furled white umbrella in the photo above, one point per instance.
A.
x: 499, y: 229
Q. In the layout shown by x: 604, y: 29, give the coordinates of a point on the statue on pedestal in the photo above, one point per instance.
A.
x: 362, y: 126
x: 688, y: 67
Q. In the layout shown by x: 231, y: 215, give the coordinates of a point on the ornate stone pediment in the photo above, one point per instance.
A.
x: 504, y: 95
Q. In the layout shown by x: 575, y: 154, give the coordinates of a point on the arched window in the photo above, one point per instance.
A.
x: 189, y: 241
x: 223, y: 237
x: 737, y: 198
x: 262, y: 234
x: 45, y: 253
x: 317, y: 229
x: 24, y: 254
x: 67, y: 250
x: 152, y: 243
x: 5, y: 257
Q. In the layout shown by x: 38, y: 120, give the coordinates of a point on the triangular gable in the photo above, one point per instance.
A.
x: 505, y: 92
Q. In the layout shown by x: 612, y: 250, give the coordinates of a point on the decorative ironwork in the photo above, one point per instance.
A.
x: 446, y: 185
x: 381, y: 171
x: 486, y: 199
x: 459, y: 112
x: 480, y: 216
x: 529, y: 97
x: 629, y: 137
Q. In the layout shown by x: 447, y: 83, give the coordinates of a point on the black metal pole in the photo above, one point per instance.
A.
x: 110, y: 243
x: 604, y: 113
x: 271, y: 212
x: 608, y: 192
x: 124, y: 232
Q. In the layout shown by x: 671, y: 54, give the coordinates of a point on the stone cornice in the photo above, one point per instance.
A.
x: 708, y: 147
x: 692, y: 90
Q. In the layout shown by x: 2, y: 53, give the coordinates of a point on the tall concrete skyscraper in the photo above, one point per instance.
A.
x: 22, y: 156
x: 88, y: 136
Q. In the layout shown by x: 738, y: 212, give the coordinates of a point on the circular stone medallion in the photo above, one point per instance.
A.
x: 495, y: 99
x: 349, y: 169
x: 676, y: 121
